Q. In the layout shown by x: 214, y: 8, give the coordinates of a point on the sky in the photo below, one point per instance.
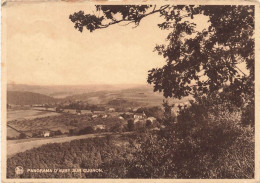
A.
x: 44, y: 48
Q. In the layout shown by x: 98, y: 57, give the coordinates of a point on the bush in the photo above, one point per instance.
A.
x: 87, y: 130
x: 116, y: 128
x: 11, y: 138
x: 72, y: 132
x: 248, y: 115
x: 207, y: 142
x: 58, y: 132
x: 148, y: 123
x: 22, y: 136
x: 130, y: 125
x: 35, y: 135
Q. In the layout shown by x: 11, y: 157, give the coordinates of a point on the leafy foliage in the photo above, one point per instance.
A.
x: 92, y: 22
x: 130, y: 125
x: 209, y: 141
x: 195, y: 60
x: 99, y: 153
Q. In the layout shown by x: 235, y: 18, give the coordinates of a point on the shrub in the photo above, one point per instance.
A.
x: 131, y: 125
x: 57, y: 132
x: 248, y: 115
x: 208, y: 141
x: 11, y: 138
x: 35, y: 135
x: 22, y: 136
x: 72, y: 132
x: 148, y: 123
x: 116, y: 128
x: 87, y: 130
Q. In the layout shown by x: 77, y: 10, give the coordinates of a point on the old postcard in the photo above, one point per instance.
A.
x: 100, y: 91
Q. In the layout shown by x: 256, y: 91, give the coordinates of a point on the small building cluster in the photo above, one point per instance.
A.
x: 99, y: 127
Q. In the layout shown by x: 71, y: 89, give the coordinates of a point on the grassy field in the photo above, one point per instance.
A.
x: 28, y: 114
x: 17, y: 146
x: 12, y: 133
x: 134, y: 97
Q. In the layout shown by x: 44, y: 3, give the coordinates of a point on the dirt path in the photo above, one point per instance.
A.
x: 16, y: 146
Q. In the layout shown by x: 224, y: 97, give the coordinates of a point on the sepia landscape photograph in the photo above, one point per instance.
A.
x: 132, y: 91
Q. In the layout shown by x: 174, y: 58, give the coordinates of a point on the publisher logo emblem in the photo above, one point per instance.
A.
x: 19, y: 170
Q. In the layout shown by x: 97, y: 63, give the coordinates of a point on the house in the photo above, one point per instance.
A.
x: 140, y: 116
x: 152, y: 119
x: 136, y: 120
x: 156, y: 129
x: 111, y: 109
x: 105, y: 116
x: 78, y: 111
x: 99, y: 112
x: 126, y: 115
x: 46, y: 133
x: 58, y: 109
x: 86, y: 112
x: 100, y: 127
x: 135, y: 109
x: 129, y: 109
x: 94, y: 116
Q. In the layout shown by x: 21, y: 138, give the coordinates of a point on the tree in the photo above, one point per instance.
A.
x: 22, y: 136
x: 46, y: 107
x: 148, y: 123
x: 57, y: 132
x: 207, y: 65
x: 130, y: 125
x: 196, y: 61
x: 87, y: 130
x: 116, y: 128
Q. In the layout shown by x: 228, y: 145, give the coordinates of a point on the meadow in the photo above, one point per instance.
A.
x: 27, y: 114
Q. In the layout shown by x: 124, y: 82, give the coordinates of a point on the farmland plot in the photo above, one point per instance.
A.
x: 63, y: 122
x: 28, y: 114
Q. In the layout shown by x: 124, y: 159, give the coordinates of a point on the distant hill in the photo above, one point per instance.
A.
x: 137, y: 96
x: 62, y: 91
x: 125, y: 95
x: 27, y: 98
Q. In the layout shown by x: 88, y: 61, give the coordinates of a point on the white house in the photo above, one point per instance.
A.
x: 152, y: 119
x: 135, y: 109
x: 46, y: 134
x: 111, y: 109
x: 101, y: 127
x: 105, y: 116
x: 94, y: 116
x: 140, y: 116
x: 136, y: 120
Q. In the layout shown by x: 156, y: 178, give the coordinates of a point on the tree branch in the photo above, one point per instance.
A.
x: 133, y: 20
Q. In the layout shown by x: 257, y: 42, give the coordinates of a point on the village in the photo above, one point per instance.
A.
x: 79, y: 121
x: 137, y: 117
